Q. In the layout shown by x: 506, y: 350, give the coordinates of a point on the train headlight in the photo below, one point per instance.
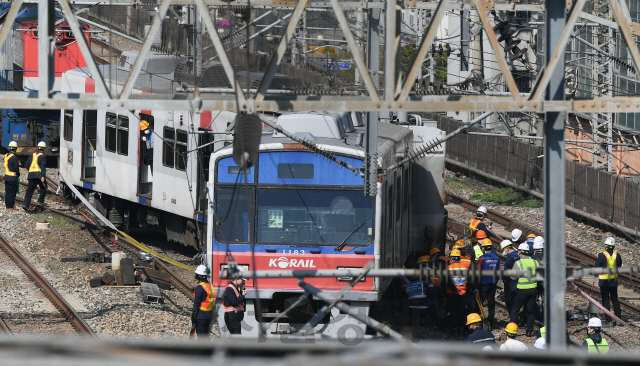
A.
x: 350, y: 278
x: 58, y: 39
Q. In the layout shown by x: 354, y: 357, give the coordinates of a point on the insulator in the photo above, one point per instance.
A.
x: 246, y: 140
x: 505, y: 35
x: 518, y: 54
x: 500, y: 25
x: 512, y: 45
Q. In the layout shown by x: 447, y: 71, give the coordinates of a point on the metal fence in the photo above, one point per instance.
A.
x: 608, y: 196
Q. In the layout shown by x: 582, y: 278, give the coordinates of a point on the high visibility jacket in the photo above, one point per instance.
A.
x: 240, y: 307
x: 488, y: 261
x: 601, y: 348
x: 465, y: 261
x: 207, y: 305
x: 543, y: 331
x: 8, y: 172
x: 477, y: 250
x: 474, y: 227
x: 416, y: 293
x: 34, y: 167
x: 611, y: 259
x: 527, y: 264
x: 459, y: 281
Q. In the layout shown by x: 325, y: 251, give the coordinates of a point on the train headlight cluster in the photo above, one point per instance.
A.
x: 349, y: 278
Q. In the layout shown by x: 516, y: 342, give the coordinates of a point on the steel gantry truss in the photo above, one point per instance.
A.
x: 396, y: 94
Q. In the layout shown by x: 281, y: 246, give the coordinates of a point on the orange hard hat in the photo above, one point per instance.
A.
x: 455, y: 253
x: 458, y: 244
x: 144, y: 125
x: 473, y: 318
x: 434, y: 251
x: 531, y: 236
x: 486, y: 242
x: 481, y: 234
x: 424, y: 259
x: 512, y: 328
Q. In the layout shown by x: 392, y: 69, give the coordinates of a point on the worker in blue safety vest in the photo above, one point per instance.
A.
x: 37, y: 164
x: 595, y: 344
x: 487, y: 288
x: 527, y: 288
x: 421, y: 294
x: 510, y: 285
x: 11, y: 176
x: 608, y: 283
x: 204, y: 298
x: 234, y: 305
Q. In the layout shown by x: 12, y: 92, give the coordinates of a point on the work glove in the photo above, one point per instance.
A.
x: 194, y: 316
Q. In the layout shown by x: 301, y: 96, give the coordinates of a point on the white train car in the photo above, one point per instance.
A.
x: 105, y: 155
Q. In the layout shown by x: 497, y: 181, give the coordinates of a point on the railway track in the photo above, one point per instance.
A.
x: 49, y: 292
x: 575, y: 255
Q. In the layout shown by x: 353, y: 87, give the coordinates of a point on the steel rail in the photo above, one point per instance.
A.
x: 4, y: 329
x: 54, y: 296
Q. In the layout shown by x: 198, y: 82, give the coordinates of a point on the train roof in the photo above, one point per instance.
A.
x: 147, y: 82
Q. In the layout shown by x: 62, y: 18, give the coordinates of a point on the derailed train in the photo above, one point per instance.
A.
x: 292, y: 210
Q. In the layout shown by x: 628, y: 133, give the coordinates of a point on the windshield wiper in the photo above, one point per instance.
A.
x: 341, y: 246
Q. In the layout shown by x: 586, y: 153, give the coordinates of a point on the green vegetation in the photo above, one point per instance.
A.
x: 62, y: 224
x: 451, y: 180
x: 506, y: 196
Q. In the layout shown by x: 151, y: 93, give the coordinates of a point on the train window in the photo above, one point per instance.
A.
x: 169, y: 138
x: 236, y: 224
x: 295, y: 171
x: 181, y: 149
x: 68, y: 125
x: 123, y: 135
x: 110, y: 132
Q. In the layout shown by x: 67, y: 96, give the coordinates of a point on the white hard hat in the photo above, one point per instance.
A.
x: 42, y: 145
x: 202, y: 270
x: 487, y: 348
x: 538, y: 243
x: 541, y: 343
x: 524, y: 247
x: 482, y: 209
x: 595, y: 323
x: 13, y: 144
x: 505, y: 243
x: 610, y: 241
x: 516, y: 234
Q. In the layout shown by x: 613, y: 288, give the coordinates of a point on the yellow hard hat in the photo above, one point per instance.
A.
x: 531, y: 236
x: 481, y: 234
x: 434, y: 251
x: 424, y: 259
x: 512, y: 328
x: 458, y: 245
x: 473, y: 318
x: 144, y: 125
x: 486, y: 242
x: 455, y: 253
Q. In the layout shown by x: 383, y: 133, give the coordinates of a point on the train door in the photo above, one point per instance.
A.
x: 204, y: 156
x: 89, y: 145
x: 146, y: 142
x: 397, y: 225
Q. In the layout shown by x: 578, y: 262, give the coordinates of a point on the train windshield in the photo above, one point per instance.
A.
x: 294, y: 216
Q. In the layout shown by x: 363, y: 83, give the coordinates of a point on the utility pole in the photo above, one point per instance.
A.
x: 359, y: 35
x: 602, y: 75
x: 373, y: 63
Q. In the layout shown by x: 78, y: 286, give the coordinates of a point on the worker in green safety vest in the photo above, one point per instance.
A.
x: 595, y: 343
x: 527, y: 288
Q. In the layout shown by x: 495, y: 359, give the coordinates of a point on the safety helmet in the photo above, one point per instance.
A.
x: 144, y: 125
x: 531, y: 236
x: 541, y: 343
x: 473, y: 318
x: 458, y: 245
x: 530, y: 242
x: 538, y: 243
x: 42, y: 145
x: 434, y: 251
x: 482, y: 210
x: 610, y: 241
x: 13, y: 145
x: 595, y: 323
x: 481, y: 234
x: 524, y: 247
x: 202, y: 270
x: 424, y: 259
x: 516, y: 234
x: 455, y: 253
x: 505, y: 243
x: 486, y: 242
x: 512, y: 328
